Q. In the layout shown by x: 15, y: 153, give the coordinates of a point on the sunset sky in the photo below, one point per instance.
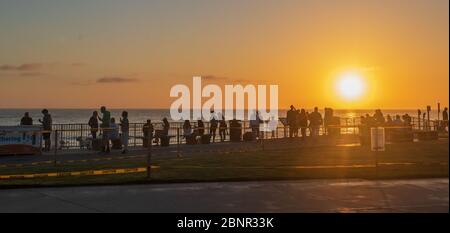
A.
x: 128, y: 54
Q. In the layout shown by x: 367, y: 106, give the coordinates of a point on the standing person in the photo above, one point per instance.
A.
x: 106, y: 120
x: 315, y: 121
x: 124, y: 128
x: 166, y: 127
x: 290, y: 117
x: 114, y: 130
x: 398, y: 121
x: 147, y: 130
x: 296, y: 125
x: 93, y: 123
x: 254, y: 124
x: 303, y: 123
x: 26, y: 119
x: 213, y: 123
x: 389, y: 121
x: 378, y: 117
x: 200, y: 127
x: 47, y: 127
x: 187, y: 129
x: 222, y: 129
x: 445, y: 118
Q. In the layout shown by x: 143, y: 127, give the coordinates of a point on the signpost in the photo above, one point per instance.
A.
x: 377, y: 139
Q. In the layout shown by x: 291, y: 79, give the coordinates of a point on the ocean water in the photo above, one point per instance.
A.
x: 64, y: 116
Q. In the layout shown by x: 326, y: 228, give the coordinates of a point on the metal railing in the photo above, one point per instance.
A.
x: 69, y: 136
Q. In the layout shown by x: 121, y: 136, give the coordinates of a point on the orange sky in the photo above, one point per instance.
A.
x: 128, y: 54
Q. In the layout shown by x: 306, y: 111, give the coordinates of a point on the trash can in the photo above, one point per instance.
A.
x: 377, y: 139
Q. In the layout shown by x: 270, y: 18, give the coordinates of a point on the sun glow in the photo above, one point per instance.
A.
x: 350, y: 86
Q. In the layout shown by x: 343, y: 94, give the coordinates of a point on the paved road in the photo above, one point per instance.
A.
x: 424, y: 195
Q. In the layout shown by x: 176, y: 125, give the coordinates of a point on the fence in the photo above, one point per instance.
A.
x: 69, y: 135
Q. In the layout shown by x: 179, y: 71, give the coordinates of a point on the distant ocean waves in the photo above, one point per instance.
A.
x: 63, y: 116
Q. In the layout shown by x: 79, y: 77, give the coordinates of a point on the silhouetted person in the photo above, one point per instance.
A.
x: 147, y: 130
x: 114, y: 130
x: 188, y: 133
x: 445, y: 118
x: 213, y: 124
x: 223, y: 129
x: 93, y: 123
x: 106, y: 121
x: 407, y: 120
x: 187, y: 129
x: 398, y: 121
x: 389, y: 121
x: 26, y: 119
x: 166, y: 127
x: 315, y: 121
x: 200, y: 127
x: 124, y: 128
x: 291, y: 120
x: 303, y: 123
x: 370, y: 122
x: 378, y: 117
x: 255, y: 120
x: 47, y: 127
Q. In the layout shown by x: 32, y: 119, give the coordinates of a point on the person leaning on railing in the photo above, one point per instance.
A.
x: 26, y: 119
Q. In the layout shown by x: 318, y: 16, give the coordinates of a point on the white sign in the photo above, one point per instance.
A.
x: 23, y: 135
x: 377, y: 138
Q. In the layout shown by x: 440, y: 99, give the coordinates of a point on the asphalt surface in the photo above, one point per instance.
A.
x: 418, y: 195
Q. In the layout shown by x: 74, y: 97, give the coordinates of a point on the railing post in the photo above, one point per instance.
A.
x: 134, y: 135
x: 81, y: 131
x: 149, y: 156
x: 56, y: 148
x: 178, y: 141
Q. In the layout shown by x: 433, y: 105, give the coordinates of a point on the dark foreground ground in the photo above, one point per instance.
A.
x: 351, y: 195
x: 278, y: 160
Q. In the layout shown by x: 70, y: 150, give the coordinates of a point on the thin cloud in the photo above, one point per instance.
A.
x: 213, y: 78
x: 31, y: 74
x: 116, y: 80
x: 81, y: 83
x: 22, y: 67
x: 78, y: 64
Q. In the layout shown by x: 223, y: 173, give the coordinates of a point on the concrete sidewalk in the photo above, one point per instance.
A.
x: 419, y: 195
x: 174, y: 150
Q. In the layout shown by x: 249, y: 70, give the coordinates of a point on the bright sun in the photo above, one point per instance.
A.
x: 350, y: 86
